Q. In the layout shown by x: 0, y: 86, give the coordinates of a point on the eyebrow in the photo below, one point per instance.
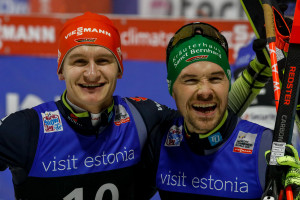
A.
x: 188, y: 76
x: 105, y: 55
x: 221, y: 72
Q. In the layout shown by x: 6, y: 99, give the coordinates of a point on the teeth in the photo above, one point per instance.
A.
x: 91, y: 85
x: 204, y: 105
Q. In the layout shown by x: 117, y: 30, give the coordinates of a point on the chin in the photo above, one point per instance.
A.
x: 206, y: 127
x: 90, y: 101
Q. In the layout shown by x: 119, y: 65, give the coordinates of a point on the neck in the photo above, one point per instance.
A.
x: 96, y: 118
x: 94, y: 109
x: 203, y: 144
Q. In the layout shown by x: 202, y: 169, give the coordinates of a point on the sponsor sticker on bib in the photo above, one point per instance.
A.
x: 52, y: 121
x: 174, y: 136
x: 121, y: 115
x: 215, y: 139
x: 244, y: 143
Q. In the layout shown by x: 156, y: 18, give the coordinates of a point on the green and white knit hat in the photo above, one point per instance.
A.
x: 195, y: 49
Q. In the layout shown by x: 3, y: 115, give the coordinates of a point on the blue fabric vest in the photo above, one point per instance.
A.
x: 230, y: 172
x: 63, y: 152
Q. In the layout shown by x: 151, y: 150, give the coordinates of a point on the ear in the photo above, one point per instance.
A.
x: 173, y: 95
x: 120, y: 74
x: 61, y: 77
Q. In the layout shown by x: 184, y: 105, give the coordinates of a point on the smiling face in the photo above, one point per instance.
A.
x: 201, y: 95
x: 90, y: 73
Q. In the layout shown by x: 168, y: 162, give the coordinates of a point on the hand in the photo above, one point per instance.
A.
x: 291, y: 157
x: 259, y: 68
x: 258, y: 46
x: 292, y: 175
x: 292, y: 179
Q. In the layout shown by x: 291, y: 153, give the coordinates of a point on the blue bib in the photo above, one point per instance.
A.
x: 230, y: 172
x: 63, y: 152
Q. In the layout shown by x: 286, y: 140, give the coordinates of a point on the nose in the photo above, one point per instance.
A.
x: 204, y: 92
x: 92, y: 73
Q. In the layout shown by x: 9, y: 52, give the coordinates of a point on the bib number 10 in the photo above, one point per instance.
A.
x: 77, y: 194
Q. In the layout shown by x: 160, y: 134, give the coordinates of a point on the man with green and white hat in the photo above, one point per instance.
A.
x: 208, y: 152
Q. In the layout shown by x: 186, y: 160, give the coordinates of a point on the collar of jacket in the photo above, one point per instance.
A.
x: 201, y: 145
x: 81, y: 122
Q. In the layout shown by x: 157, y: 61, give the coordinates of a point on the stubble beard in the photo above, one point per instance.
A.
x: 201, y: 126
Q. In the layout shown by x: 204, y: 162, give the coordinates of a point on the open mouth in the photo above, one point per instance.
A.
x: 205, y: 108
x: 91, y: 86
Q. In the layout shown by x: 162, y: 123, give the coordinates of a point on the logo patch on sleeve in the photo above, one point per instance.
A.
x: 121, y: 115
x: 244, y: 143
x: 52, y: 121
x: 174, y: 136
